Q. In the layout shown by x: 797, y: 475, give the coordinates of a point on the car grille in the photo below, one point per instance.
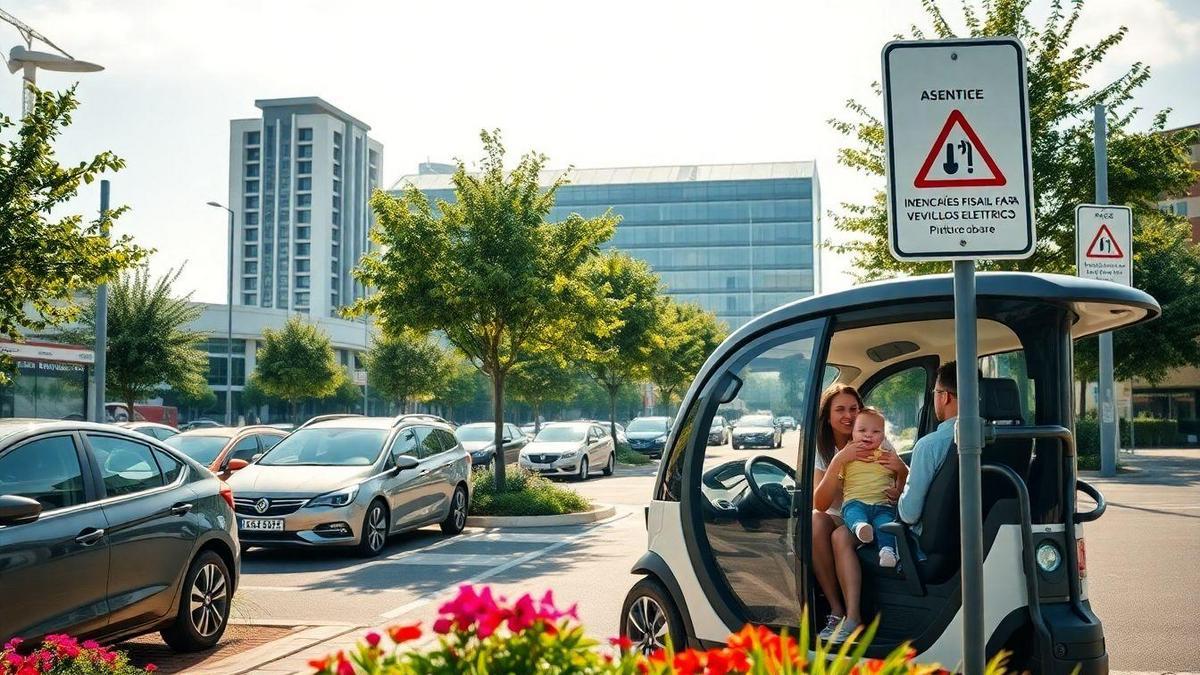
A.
x: 279, y: 507
x: 542, y: 459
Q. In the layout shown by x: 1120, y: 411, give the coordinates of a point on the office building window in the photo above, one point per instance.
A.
x: 337, y: 186
x: 251, y: 187
x: 337, y: 219
x: 302, y: 250
x: 251, y: 218
x: 253, y: 137
x: 249, y: 267
x: 305, y: 133
x: 337, y: 202
x: 337, y: 138
x: 304, y: 216
x: 249, y: 299
x: 252, y: 171
x: 251, y: 234
x: 301, y: 297
x: 302, y: 281
x: 303, y: 265
x: 333, y: 265
x: 304, y: 184
x: 303, y: 167
x: 252, y: 154
x: 250, y: 284
x: 252, y: 202
x: 303, y: 200
x: 250, y: 251
x: 303, y: 232
x: 337, y: 169
x: 337, y: 154
x: 304, y: 151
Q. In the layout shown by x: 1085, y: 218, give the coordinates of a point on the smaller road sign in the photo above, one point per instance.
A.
x: 1104, y: 243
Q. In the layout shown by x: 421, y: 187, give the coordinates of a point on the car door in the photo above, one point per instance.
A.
x: 442, y: 469
x: 66, y: 542
x: 400, y: 487
x: 151, y: 527
x: 514, y: 440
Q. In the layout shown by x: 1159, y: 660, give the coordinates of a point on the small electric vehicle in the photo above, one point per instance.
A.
x: 729, y: 534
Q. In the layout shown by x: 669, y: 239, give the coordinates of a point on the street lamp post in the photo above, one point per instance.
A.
x: 229, y: 325
x: 28, y: 61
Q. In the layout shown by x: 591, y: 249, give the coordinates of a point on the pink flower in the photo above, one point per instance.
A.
x: 12, y: 644
x: 14, y: 659
x: 442, y: 626
x: 27, y: 670
x: 373, y: 639
x: 524, y: 614
x: 150, y: 667
x: 90, y: 644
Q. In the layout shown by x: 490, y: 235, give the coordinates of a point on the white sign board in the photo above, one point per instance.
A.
x: 360, y: 377
x: 956, y: 123
x: 1104, y: 243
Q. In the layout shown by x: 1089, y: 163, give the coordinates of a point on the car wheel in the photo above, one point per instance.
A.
x: 456, y: 520
x: 736, y: 446
x: 649, y: 618
x: 583, y: 468
x: 203, y: 605
x: 611, y: 464
x: 374, y: 530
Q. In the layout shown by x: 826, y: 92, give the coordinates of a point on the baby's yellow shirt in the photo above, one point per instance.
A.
x: 865, y: 481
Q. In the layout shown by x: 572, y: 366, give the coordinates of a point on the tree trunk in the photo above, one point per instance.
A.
x: 1082, y: 396
x: 129, y: 405
x: 612, y: 413
x: 498, y: 421
x: 293, y: 405
x: 537, y: 425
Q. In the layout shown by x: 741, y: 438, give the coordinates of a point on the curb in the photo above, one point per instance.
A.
x: 304, y: 637
x: 601, y: 512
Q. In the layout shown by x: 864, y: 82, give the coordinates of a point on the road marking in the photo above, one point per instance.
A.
x: 447, y: 559
x: 487, y: 574
x: 522, y: 537
x: 284, y: 589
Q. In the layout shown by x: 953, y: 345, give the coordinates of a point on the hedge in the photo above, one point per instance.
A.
x: 1148, y: 433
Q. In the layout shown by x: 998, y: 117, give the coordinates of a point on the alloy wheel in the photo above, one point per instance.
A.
x: 209, y: 600
x: 460, y: 509
x: 612, y: 463
x: 583, y: 468
x: 646, y: 625
x: 376, y: 528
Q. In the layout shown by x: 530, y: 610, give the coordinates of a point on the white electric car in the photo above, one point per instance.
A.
x: 729, y: 532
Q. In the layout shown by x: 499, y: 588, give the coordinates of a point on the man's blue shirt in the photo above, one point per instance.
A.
x: 927, y: 457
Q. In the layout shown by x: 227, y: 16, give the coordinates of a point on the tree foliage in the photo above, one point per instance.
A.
x: 1142, y: 165
x: 488, y: 270
x: 408, y: 366
x: 45, y: 259
x: 296, y: 363
x: 686, y: 335
x: 546, y: 377
x: 463, y: 384
x: 619, y: 346
x: 150, y: 341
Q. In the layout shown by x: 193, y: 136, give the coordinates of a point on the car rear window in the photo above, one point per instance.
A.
x: 203, y: 449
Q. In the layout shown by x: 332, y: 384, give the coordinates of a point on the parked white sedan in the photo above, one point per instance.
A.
x: 570, y: 448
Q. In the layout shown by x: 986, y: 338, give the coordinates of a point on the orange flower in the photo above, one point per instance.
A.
x: 402, y: 634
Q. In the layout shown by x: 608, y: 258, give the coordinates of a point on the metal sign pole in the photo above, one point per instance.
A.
x: 969, y: 432
x: 101, y: 347
x: 1108, y: 410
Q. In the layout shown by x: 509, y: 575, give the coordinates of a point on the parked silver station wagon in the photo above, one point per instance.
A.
x: 348, y: 480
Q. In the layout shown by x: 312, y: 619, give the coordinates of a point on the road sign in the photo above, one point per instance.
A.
x: 1104, y: 243
x: 956, y: 125
x: 360, y: 377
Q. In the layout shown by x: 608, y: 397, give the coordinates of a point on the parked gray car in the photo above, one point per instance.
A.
x: 570, y: 448
x: 106, y: 533
x: 479, y: 440
x: 351, y: 481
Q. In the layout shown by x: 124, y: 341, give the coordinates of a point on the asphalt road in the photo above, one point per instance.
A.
x: 1141, y: 563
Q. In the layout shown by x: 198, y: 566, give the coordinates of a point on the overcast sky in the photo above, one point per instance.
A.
x: 592, y: 84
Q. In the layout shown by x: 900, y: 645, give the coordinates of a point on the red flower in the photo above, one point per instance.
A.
x: 150, y: 667
x: 319, y: 665
x: 27, y: 670
x: 401, y: 634
x: 689, y: 661
x: 623, y: 643
x: 344, y: 667
x: 442, y: 626
x: 373, y: 639
x: 524, y: 614
x: 14, y: 659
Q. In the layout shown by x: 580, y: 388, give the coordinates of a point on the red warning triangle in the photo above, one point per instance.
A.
x: 1104, y: 245
x: 924, y: 181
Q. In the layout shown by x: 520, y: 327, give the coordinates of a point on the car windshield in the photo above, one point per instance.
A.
x: 753, y: 421
x: 203, y: 449
x: 562, y: 434
x: 718, y: 422
x: 476, y: 432
x: 647, y: 425
x: 327, y: 447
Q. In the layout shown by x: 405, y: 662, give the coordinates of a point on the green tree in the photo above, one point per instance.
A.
x: 197, y: 401
x: 683, y: 340
x: 346, y: 397
x: 46, y: 260
x: 1142, y: 165
x: 296, y: 363
x: 620, y: 345
x: 545, y: 378
x: 150, y: 341
x: 407, y: 366
x: 463, y: 384
x: 488, y: 270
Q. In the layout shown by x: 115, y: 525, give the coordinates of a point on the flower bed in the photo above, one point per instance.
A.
x: 526, y: 494
x: 479, y: 634
x: 64, y: 655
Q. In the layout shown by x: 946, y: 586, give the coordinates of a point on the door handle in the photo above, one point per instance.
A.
x: 89, y: 536
x: 424, y: 471
x: 180, y: 509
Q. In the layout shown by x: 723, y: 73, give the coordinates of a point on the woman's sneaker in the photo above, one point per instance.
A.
x: 864, y: 533
x: 887, y: 557
x: 831, y: 626
x: 844, y: 631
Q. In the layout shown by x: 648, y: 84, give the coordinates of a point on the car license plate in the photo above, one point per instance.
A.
x: 263, y: 525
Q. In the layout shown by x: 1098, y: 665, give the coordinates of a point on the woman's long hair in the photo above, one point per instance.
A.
x: 825, y: 443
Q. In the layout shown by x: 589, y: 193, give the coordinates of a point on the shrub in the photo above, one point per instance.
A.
x: 64, y: 655
x: 1147, y: 433
x: 525, y: 494
x: 629, y: 456
x: 479, y: 634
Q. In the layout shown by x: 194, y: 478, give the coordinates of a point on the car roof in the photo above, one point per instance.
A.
x: 652, y: 417
x: 582, y: 423
x: 142, y: 423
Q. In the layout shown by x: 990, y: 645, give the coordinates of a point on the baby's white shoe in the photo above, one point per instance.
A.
x: 887, y: 557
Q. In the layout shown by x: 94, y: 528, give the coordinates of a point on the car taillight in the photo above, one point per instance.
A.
x: 227, y: 493
x: 1081, y: 555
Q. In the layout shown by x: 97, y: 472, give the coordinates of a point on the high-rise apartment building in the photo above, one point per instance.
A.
x: 737, y: 239
x: 299, y: 180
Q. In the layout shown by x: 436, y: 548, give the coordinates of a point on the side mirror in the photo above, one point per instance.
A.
x: 236, y: 465
x: 406, y: 462
x: 256, y: 457
x: 15, y: 510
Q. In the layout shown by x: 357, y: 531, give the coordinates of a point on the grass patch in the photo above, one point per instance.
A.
x: 526, y: 494
x: 629, y: 456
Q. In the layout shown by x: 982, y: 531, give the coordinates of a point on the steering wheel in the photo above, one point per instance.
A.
x: 771, y: 492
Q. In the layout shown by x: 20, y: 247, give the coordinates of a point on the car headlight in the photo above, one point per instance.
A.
x: 570, y: 453
x: 1048, y: 557
x: 339, y: 498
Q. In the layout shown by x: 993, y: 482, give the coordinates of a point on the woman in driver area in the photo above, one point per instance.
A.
x: 839, y: 576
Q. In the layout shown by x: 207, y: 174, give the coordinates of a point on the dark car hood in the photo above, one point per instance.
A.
x: 644, y: 435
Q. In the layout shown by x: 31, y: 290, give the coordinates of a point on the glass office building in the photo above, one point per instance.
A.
x: 737, y: 239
